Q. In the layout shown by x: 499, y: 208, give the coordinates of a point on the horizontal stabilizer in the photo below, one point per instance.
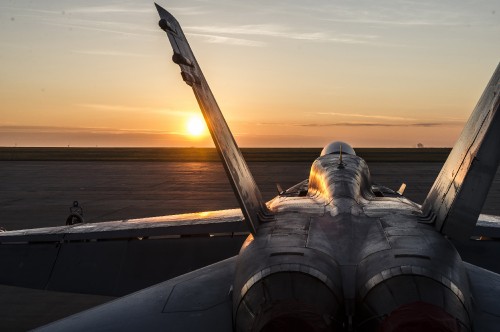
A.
x: 458, y: 194
x: 485, y: 288
x: 488, y: 226
x: 197, y: 301
x: 249, y: 197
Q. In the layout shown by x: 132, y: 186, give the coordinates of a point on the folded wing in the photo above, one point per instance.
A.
x: 249, y: 197
x: 458, y: 194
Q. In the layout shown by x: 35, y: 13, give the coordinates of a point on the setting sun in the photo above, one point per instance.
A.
x: 195, y: 125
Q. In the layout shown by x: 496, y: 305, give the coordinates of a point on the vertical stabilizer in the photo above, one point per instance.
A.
x: 458, y: 194
x: 242, y: 181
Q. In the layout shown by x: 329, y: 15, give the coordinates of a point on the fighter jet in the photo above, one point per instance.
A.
x: 333, y: 253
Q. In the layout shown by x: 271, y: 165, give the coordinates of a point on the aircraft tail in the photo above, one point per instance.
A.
x: 455, y: 200
x: 252, y: 205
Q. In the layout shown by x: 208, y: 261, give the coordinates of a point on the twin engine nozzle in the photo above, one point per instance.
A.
x: 301, y: 289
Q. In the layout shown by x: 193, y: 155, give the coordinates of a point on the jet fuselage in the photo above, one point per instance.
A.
x: 344, y: 255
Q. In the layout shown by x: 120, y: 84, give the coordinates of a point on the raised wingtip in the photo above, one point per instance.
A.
x: 159, y: 8
x: 164, y: 13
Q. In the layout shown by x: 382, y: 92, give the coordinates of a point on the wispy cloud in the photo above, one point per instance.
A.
x: 16, y: 10
x: 277, y: 31
x: 270, y: 30
x: 88, y: 18
x: 109, y: 53
x: 395, y: 13
x: 390, y: 121
x: 131, y: 8
x: 410, y: 22
x: 370, y: 124
x: 228, y: 40
x: 367, y: 116
x: 130, y: 29
x: 188, y: 11
x: 367, y: 124
x: 56, y: 129
x: 124, y: 108
x: 93, y: 136
x: 110, y: 9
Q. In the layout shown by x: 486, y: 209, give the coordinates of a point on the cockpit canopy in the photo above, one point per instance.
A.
x: 335, y: 147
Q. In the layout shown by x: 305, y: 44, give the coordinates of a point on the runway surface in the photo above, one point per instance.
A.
x: 39, y: 194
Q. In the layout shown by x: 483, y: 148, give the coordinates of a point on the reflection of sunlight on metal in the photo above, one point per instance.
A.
x: 317, y: 183
x: 247, y: 242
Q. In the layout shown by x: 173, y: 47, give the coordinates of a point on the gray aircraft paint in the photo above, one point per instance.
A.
x: 339, y: 252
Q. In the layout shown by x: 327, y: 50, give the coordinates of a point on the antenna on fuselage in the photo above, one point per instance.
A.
x: 341, y: 164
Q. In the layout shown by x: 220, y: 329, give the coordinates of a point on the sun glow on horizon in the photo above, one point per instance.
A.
x: 195, y: 126
x: 345, y: 73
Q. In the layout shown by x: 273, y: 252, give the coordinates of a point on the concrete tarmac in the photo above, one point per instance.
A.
x: 39, y: 194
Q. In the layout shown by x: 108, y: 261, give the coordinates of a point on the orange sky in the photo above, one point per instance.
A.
x: 98, y: 73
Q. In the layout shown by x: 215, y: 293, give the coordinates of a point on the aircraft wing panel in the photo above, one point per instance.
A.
x: 197, y: 301
x: 118, y: 257
x: 239, y: 175
x: 208, y: 222
x: 458, y: 194
x: 488, y: 225
x: 485, y: 287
